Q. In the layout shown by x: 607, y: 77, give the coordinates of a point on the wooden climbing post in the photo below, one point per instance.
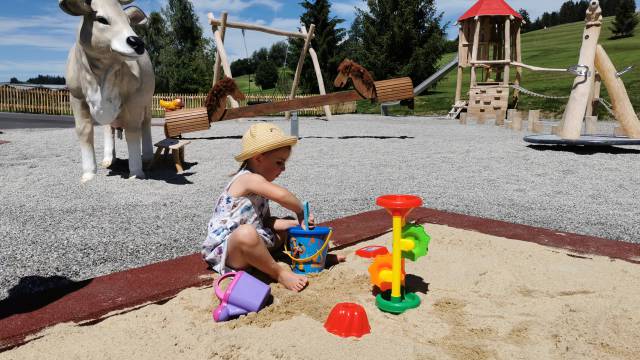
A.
x: 474, y: 52
x: 296, y: 78
x: 316, y: 67
x: 224, y: 59
x: 577, y: 106
x: 461, y: 61
x: 622, y: 107
x: 217, y: 66
x: 507, y: 50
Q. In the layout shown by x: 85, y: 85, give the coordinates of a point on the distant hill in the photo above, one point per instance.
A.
x: 554, y: 47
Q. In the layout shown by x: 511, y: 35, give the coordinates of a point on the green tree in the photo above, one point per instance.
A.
x: 402, y: 38
x: 526, y: 26
x: 154, y: 35
x: 278, y: 53
x: 259, y: 56
x: 47, y: 80
x: 187, y: 59
x: 326, y: 43
x: 242, y: 67
x: 626, y: 19
x: 267, y: 75
x: 352, y: 47
x: 14, y: 80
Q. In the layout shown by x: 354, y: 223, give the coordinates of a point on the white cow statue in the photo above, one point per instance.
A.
x: 111, y: 81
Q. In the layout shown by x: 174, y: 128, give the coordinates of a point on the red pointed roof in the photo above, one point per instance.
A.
x: 490, y: 7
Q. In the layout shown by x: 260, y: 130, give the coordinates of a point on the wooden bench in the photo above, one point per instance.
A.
x: 177, y: 149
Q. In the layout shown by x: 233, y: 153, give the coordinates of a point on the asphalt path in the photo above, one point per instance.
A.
x: 43, y: 121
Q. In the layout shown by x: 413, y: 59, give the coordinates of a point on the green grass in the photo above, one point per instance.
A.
x: 555, y: 47
x: 250, y: 88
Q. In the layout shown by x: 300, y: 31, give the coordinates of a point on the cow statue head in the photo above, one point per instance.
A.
x: 106, y: 27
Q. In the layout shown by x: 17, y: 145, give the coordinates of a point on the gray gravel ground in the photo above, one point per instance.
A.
x: 53, y: 228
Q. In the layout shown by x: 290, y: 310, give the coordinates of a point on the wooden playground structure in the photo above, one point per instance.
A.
x: 198, y: 119
x: 219, y: 28
x: 489, y: 43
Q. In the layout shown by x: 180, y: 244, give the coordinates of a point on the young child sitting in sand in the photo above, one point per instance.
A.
x: 242, y: 231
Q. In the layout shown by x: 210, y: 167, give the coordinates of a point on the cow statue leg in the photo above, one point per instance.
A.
x: 84, y: 130
x: 147, y: 143
x: 133, y: 132
x: 109, y: 146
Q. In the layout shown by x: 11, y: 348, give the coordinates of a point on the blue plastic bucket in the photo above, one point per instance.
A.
x: 308, y: 248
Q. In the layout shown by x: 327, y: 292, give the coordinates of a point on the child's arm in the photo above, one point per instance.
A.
x: 256, y: 184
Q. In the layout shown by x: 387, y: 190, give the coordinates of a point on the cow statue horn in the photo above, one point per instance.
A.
x: 76, y: 7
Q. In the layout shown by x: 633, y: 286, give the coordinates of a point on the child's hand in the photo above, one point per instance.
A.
x: 312, y: 222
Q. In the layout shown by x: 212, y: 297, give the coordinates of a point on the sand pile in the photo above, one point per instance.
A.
x: 483, y: 297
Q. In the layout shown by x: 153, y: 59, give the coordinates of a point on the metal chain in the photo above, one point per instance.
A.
x: 531, y: 93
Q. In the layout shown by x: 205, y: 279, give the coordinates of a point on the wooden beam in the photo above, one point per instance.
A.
x: 536, y: 68
x: 188, y: 119
x: 507, y: 51
x: 246, y: 26
x: 474, y: 52
x: 316, y: 67
x: 293, y: 104
x: 461, y: 60
x: 217, y: 66
x: 490, y: 62
x: 518, y: 79
x: 622, y: 107
x: 305, y: 49
x: 224, y: 60
x: 582, y: 85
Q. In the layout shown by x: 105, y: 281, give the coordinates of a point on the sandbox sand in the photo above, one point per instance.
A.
x: 483, y: 297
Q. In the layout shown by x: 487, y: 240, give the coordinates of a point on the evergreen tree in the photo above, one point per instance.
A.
x: 527, y: 25
x: 187, y: 59
x: 242, y: 67
x: 326, y: 43
x: 47, y: 80
x: 154, y: 35
x: 626, y: 19
x: 402, y: 38
x: 278, y: 53
x: 260, y: 56
x: 352, y: 47
x: 267, y: 75
x: 609, y: 7
x: 14, y: 80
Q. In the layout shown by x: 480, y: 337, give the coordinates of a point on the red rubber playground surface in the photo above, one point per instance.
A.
x: 89, y: 300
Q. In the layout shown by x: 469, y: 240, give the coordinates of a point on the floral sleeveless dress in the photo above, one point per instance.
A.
x: 229, y: 213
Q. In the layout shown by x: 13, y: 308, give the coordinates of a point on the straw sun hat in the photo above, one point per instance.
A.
x: 263, y: 137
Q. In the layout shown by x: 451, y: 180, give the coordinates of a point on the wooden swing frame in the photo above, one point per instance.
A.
x: 222, y: 61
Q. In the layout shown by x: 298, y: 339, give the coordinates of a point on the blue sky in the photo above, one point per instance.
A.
x: 35, y: 35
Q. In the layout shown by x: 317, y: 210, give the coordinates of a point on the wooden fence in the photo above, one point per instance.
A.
x: 56, y: 102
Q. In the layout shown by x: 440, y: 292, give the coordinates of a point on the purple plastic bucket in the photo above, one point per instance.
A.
x: 244, y: 294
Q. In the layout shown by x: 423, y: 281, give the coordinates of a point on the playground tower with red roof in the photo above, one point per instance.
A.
x: 489, y: 40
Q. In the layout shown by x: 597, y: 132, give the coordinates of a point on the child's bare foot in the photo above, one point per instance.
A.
x: 291, y: 281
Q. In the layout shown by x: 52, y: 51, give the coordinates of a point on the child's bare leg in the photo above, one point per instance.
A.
x: 245, y: 248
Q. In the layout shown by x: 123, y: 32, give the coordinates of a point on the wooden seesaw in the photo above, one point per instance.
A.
x: 199, y: 119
